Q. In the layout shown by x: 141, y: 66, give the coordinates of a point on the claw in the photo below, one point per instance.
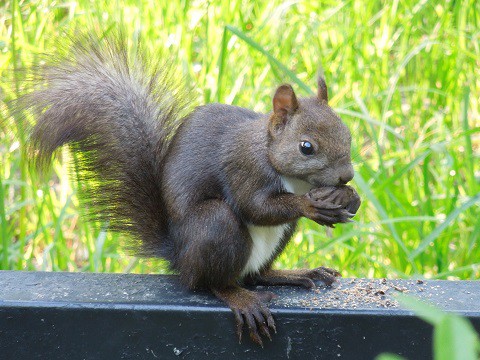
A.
x: 261, y: 316
x: 327, y: 278
x: 253, y: 317
x: 308, y: 283
x: 270, y: 322
x: 326, y: 219
x: 346, y: 213
x: 240, y: 323
x: 265, y: 332
x: 330, y: 271
x: 258, y: 316
x: 250, y: 320
x: 256, y: 337
x: 326, y: 206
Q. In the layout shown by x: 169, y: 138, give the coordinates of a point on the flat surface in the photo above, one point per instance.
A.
x: 118, y: 316
x: 377, y: 295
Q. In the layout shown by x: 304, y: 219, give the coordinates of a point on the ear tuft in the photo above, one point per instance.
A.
x: 322, y: 92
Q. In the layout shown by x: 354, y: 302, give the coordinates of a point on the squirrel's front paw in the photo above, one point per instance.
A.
x: 347, y: 197
x: 332, y: 204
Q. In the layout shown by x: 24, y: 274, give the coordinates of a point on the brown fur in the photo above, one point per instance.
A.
x: 186, y: 188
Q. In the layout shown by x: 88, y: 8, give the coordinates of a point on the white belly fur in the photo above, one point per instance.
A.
x: 265, y: 239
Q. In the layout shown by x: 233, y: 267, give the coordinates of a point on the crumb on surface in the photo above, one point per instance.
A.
x: 356, y: 293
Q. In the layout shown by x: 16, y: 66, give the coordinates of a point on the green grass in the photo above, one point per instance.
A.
x: 404, y: 76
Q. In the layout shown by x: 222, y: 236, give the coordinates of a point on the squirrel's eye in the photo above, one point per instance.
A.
x: 306, y: 148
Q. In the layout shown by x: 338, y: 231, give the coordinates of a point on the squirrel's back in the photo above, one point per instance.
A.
x: 118, y: 114
x: 202, y: 143
x: 220, y: 145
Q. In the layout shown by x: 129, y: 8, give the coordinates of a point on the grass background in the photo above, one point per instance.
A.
x: 403, y: 75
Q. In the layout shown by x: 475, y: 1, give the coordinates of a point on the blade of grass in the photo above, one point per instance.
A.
x: 22, y: 220
x: 3, y: 225
x: 221, y: 65
x: 399, y: 173
x: 394, y: 80
x: 271, y: 58
x: 370, y: 120
x: 383, y: 213
x: 438, y: 230
x: 469, y: 158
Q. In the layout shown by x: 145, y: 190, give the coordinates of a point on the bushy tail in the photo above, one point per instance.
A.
x: 117, y: 113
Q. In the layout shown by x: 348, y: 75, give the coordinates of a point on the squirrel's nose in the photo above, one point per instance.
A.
x: 346, y: 177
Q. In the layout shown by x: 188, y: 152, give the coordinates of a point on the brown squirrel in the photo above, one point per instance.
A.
x: 217, y: 192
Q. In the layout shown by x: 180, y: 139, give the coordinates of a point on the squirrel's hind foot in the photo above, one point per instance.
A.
x: 298, y: 277
x: 249, y: 307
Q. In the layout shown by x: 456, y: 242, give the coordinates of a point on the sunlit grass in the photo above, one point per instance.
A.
x: 404, y: 76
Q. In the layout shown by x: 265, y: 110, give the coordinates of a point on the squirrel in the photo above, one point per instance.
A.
x: 216, y: 191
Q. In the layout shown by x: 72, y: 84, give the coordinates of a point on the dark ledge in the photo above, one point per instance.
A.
x: 117, y: 316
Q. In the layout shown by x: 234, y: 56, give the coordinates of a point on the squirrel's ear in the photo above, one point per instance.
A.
x: 322, y: 92
x: 284, y: 103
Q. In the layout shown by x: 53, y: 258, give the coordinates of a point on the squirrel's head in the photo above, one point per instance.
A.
x: 307, y: 140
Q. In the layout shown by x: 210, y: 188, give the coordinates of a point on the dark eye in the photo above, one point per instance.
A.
x: 306, y: 148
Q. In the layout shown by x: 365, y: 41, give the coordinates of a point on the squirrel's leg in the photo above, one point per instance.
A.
x: 213, y: 249
x: 299, y: 277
